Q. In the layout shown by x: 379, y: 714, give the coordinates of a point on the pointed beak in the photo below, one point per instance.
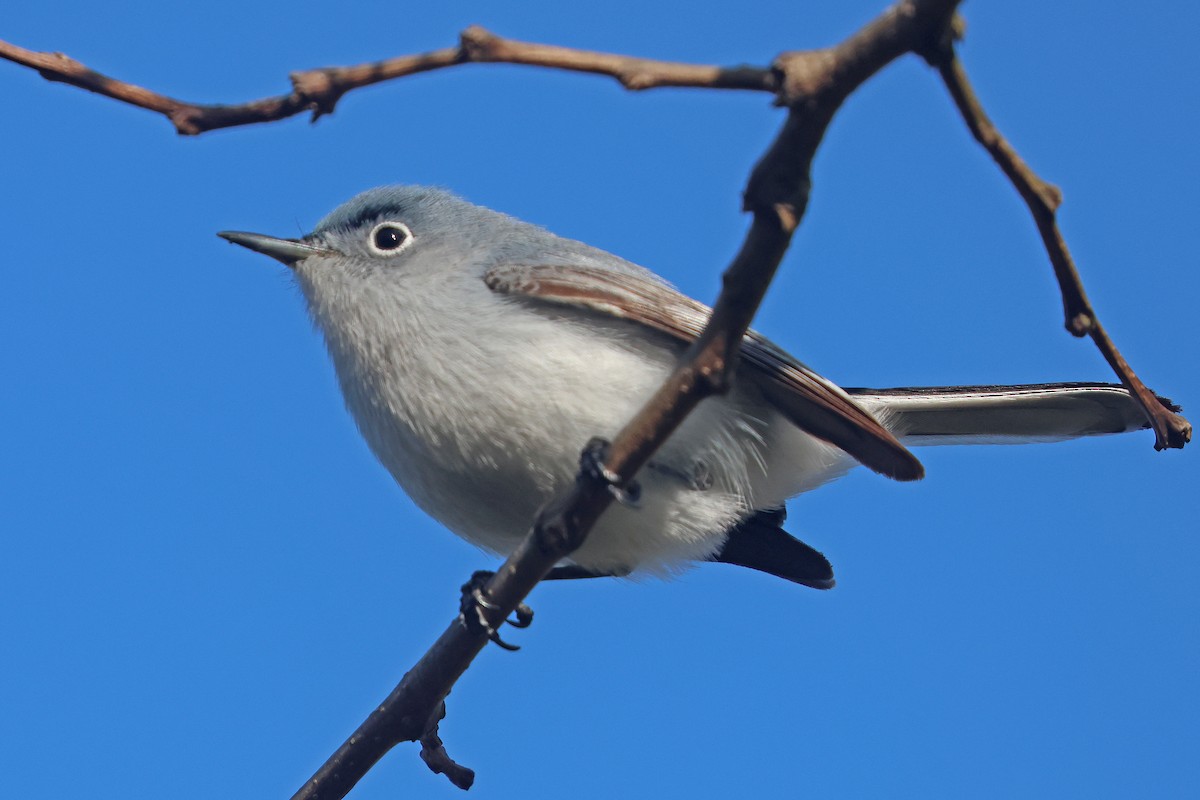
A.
x: 287, y: 251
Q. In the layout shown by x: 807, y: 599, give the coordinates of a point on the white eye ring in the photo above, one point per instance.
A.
x: 389, y: 238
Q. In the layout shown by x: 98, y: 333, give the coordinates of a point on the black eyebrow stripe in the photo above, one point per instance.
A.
x: 370, y: 213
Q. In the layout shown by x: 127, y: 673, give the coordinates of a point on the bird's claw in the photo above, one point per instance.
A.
x: 475, y: 603
x: 591, y: 463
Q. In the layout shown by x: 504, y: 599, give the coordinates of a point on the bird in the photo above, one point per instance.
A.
x: 477, y: 353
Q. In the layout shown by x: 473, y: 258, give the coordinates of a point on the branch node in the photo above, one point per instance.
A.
x: 64, y: 70
x: 636, y: 80
x: 939, y: 50
x: 1176, y: 432
x: 802, y: 75
x: 1051, y: 195
x: 712, y: 371
x: 318, y: 89
x: 186, y: 120
x: 433, y: 753
x: 478, y: 43
x: 1081, y: 324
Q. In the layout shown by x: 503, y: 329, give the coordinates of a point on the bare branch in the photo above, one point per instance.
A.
x: 318, y: 90
x: 62, y: 68
x: 633, y: 73
x: 1043, y: 199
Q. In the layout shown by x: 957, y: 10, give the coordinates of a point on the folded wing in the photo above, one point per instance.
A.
x: 811, y: 402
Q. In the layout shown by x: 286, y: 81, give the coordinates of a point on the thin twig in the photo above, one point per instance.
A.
x: 1043, y: 200
x: 64, y: 69
x: 318, y: 90
x: 633, y: 73
x: 434, y: 754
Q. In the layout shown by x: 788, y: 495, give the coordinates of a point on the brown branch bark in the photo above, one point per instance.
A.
x: 318, y: 90
x: 633, y: 73
x: 1043, y: 200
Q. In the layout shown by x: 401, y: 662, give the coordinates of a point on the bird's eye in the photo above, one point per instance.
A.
x: 389, y: 238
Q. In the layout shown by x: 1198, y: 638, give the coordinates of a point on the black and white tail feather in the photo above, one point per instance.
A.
x: 1035, y: 412
x: 936, y: 415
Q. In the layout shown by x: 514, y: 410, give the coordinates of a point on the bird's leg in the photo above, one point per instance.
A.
x: 571, y: 572
x: 474, y: 595
x: 474, y: 599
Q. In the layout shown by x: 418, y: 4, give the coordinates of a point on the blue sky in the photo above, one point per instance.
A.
x: 207, y: 582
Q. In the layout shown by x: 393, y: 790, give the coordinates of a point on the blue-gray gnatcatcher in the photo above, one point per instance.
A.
x: 478, y: 353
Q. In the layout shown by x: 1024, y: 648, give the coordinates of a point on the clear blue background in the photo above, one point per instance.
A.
x: 207, y: 582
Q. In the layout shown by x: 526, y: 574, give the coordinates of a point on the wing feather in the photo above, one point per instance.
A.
x: 812, y: 403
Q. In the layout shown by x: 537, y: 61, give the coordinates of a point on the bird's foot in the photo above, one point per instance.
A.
x: 475, y: 604
x: 591, y: 464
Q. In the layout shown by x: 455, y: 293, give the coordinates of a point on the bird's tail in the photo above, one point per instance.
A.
x: 1038, y: 412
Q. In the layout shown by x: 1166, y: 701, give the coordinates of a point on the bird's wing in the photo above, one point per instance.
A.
x: 811, y: 402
